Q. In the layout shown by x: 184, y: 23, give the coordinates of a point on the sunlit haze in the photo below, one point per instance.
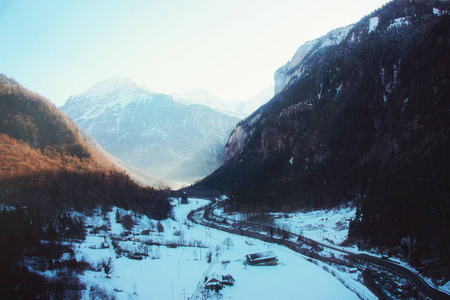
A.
x: 231, y: 48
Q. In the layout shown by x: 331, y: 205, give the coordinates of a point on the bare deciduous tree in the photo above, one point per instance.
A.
x: 107, y: 266
x: 209, y: 256
x: 228, y: 242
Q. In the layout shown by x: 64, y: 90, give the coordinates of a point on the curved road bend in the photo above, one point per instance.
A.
x: 424, y: 288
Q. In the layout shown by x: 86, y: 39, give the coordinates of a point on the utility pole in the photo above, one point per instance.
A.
x: 173, y: 297
x: 183, y: 294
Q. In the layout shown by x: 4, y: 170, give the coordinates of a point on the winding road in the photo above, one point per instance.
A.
x: 204, y: 216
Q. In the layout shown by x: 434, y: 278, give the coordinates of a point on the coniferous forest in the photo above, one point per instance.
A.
x: 367, y: 123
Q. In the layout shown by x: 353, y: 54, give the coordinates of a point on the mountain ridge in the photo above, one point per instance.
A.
x: 154, y: 132
x: 365, y: 121
x: 51, y: 177
x: 47, y: 163
x: 237, y: 108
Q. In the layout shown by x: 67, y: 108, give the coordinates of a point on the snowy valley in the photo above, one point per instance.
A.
x: 169, y: 260
x: 333, y: 184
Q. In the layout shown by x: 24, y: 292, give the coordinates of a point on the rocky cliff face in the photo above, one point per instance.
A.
x: 326, y: 69
x: 361, y: 114
x: 239, y: 137
x: 153, y: 132
x: 290, y: 72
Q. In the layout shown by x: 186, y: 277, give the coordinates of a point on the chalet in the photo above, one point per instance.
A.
x: 267, y: 258
x: 213, y: 283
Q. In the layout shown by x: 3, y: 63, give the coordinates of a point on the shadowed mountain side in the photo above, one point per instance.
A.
x: 361, y: 114
x: 46, y: 163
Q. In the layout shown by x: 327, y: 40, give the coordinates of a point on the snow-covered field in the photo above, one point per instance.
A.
x: 320, y: 225
x: 330, y: 226
x: 174, y: 273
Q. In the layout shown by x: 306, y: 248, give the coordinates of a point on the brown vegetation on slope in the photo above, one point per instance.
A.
x: 45, y: 162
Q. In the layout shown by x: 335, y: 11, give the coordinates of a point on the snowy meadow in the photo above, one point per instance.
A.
x: 173, y: 258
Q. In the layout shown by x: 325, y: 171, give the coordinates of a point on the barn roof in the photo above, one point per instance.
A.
x: 213, y: 281
x: 261, y: 256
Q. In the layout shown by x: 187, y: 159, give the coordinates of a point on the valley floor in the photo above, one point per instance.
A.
x: 174, y: 273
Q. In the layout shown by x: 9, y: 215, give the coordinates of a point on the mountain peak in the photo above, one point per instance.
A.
x: 103, y: 95
x: 199, y: 96
x: 111, y: 85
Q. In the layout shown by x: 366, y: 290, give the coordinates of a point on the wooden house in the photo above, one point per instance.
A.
x: 213, y: 283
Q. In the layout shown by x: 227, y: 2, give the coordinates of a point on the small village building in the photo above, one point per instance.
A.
x: 228, y: 280
x: 213, y: 283
x: 267, y: 258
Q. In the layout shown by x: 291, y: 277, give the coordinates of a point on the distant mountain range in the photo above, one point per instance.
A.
x: 179, y: 139
x: 360, y: 115
x: 239, y: 108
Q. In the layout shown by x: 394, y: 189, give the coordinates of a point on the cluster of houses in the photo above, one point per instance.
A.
x: 216, y: 282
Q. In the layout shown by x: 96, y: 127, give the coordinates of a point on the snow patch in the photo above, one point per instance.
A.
x: 399, y: 22
x: 373, y: 23
x: 320, y: 225
x: 439, y: 12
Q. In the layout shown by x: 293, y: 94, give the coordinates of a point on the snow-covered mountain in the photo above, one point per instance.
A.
x: 238, y: 108
x: 199, y: 96
x: 151, y: 131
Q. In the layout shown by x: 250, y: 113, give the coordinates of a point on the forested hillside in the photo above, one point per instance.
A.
x: 46, y: 161
x: 362, y: 116
x: 48, y: 171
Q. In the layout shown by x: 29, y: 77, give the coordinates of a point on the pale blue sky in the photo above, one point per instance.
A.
x: 231, y: 48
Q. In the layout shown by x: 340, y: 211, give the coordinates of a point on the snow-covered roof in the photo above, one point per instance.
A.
x: 261, y: 255
x: 212, y: 281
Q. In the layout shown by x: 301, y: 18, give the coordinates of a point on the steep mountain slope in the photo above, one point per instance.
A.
x: 153, y: 132
x: 32, y: 122
x: 361, y: 114
x: 45, y: 162
x: 139, y: 175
